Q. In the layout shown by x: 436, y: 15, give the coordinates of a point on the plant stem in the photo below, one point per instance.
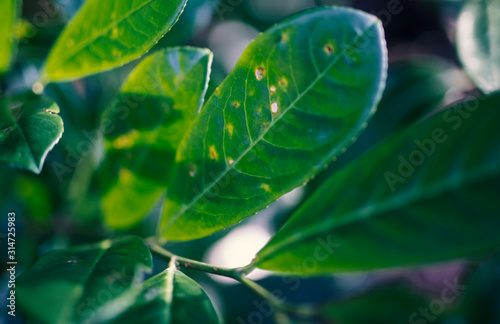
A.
x: 238, y: 274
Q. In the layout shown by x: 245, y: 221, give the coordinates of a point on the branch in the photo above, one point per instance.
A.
x: 238, y: 274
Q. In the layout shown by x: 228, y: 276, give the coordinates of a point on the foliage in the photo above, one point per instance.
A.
x: 175, y: 155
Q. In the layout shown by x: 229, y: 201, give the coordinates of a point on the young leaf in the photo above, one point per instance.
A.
x: 8, y: 8
x: 427, y: 194
x: 106, y: 34
x: 478, y: 42
x: 145, y: 124
x: 169, y: 298
x: 29, y: 129
x: 72, y: 285
x: 298, y: 96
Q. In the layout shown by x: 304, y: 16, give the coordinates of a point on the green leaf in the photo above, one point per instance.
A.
x: 145, y: 124
x: 393, y: 303
x: 168, y: 298
x: 479, y: 303
x: 9, y: 9
x: 415, y: 87
x: 426, y: 194
x: 298, y: 96
x: 72, y: 285
x: 478, y: 42
x: 29, y: 129
x: 107, y: 34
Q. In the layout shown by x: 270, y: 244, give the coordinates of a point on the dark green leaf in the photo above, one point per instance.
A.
x: 415, y: 87
x: 391, y: 304
x: 168, y: 298
x: 478, y: 42
x: 72, y: 285
x: 299, y: 95
x: 29, y: 129
x: 481, y: 299
x: 106, y: 34
x: 8, y: 8
x: 427, y: 194
x: 155, y: 107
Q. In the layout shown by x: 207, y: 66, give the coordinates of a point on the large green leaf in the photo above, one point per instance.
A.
x: 8, y: 8
x: 478, y: 42
x: 415, y: 87
x: 106, y: 34
x: 145, y: 124
x: 73, y: 285
x: 168, y: 298
x: 427, y: 194
x: 29, y: 129
x: 300, y: 93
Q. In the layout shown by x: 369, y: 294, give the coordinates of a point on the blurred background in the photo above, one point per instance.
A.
x: 60, y: 208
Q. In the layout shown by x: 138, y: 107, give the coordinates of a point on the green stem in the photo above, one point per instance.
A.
x: 238, y: 274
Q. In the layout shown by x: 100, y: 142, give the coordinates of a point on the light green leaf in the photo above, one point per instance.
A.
x: 9, y: 9
x: 427, y: 194
x: 478, y: 42
x: 107, y: 34
x: 168, y: 298
x: 72, y: 285
x: 29, y: 129
x: 299, y: 95
x: 145, y: 124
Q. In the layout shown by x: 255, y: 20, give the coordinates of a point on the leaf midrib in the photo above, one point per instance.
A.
x: 261, y: 136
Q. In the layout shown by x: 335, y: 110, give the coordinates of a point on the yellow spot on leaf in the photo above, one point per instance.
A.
x: 329, y: 50
x: 266, y: 187
x: 125, y: 175
x: 230, y: 129
x: 213, y: 153
x: 272, y: 89
x: 126, y: 141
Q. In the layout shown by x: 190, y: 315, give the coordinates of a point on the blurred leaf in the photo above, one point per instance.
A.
x: 480, y: 303
x: 107, y: 34
x: 145, y: 124
x: 427, y: 194
x: 169, y: 298
x: 72, y: 285
x: 389, y: 304
x: 478, y: 42
x: 29, y: 129
x: 415, y: 87
x: 299, y: 94
x: 9, y: 9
